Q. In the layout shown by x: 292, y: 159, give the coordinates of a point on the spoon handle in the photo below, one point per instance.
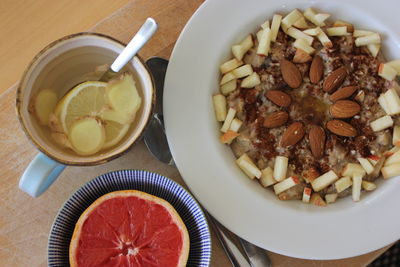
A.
x: 142, y: 36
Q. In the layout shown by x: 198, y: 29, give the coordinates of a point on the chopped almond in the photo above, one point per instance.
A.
x: 301, y: 56
x: 228, y: 137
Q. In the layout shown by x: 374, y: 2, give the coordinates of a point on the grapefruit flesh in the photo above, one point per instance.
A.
x: 129, y: 228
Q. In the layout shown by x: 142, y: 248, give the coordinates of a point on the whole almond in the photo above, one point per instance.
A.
x: 317, y: 139
x: 341, y: 128
x: 343, y: 109
x: 301, y: 56
x: 291, y: 74
x: 334, y: 79
x: 279, y: 98
x: 293, y: 134
x: 276, y: 119
x: 343, y: 93
x: 316, y: 69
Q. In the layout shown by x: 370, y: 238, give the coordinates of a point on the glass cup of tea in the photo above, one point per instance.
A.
x: 59, y: 67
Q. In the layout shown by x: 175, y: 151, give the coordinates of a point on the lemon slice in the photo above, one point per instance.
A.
x: 45, y: 103
x: 114, y: 133
x: 87, y: 136
x: 86, y: 99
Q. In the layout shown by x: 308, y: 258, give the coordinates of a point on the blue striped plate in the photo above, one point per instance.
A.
x: 155, y: 184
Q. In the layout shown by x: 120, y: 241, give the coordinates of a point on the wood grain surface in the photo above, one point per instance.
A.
x: 25, y: 222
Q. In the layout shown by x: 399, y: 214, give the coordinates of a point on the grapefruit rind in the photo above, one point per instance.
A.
x: 128, y: 193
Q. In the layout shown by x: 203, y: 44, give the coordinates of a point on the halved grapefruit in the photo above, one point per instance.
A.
x: 129, y: 228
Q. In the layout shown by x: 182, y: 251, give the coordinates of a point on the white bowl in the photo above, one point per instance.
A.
x: 341, y: 230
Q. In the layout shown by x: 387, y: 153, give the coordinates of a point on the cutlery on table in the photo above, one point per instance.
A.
x: 156, y: 141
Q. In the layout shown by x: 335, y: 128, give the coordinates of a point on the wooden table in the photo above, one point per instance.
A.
x: 28, y: 26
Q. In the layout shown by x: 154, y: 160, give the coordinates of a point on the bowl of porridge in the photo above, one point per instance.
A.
x: 275, y: 122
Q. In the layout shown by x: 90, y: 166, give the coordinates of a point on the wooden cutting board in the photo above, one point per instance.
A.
x: 25, y: 222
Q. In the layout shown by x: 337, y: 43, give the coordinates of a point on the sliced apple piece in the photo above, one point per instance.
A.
x: 235, y: 125
x: 374, y: 159
x: 337, y: 31
x: 297, y: 34
x: 391, y: 170
x: 227, y: 78
x: 238, y: 51
x: 368, y: 39
x: 267, y: 177
x: 330, y: 198
x: 219, y: 107
x: 339, y: 23
x: 251, y: 81
x: 303, y: 45
x: 276, y: 23
x: 301, y: 23
x: 230, y: 65
x: 343, y: 183
x: 44, y: 104
x: 324, y: 181
x: 243, y: 71
x: 360, y: 96
x: 387, y: 72
x: 356, y: 187
x: 306, y: 195
x: 301, y: 56
x: 395, y: 158
x: 395, y: 64
x: 324, y: 39
x: 313, y: 31
x: 384, y: 104
x: 316, y: 18
x: 317, y: 200
x: 280, y: 168
x: 374, y: 49
x: 352, y: 168
x: 264, y: 44
x: 392, y: 151
x: 366, y: 165
x: 285, y: 184
x: 377, y: 168
x: 265, y: 25
x: 381, y: 123
x: 248, y: 167
x: 368, y: 186
x: 396, y: 135
x: 228, y: 120
x: 87, y: 136
x: 228, y: 87
x: 247, y: 43
x: 361, y: 33
x: 393, y: 101
x: 290, y: 19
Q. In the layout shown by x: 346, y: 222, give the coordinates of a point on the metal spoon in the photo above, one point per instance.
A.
x: 156, y: 141
x: 138, y: 41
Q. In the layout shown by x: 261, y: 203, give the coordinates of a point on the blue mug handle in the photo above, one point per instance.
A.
x: 40, y: 174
